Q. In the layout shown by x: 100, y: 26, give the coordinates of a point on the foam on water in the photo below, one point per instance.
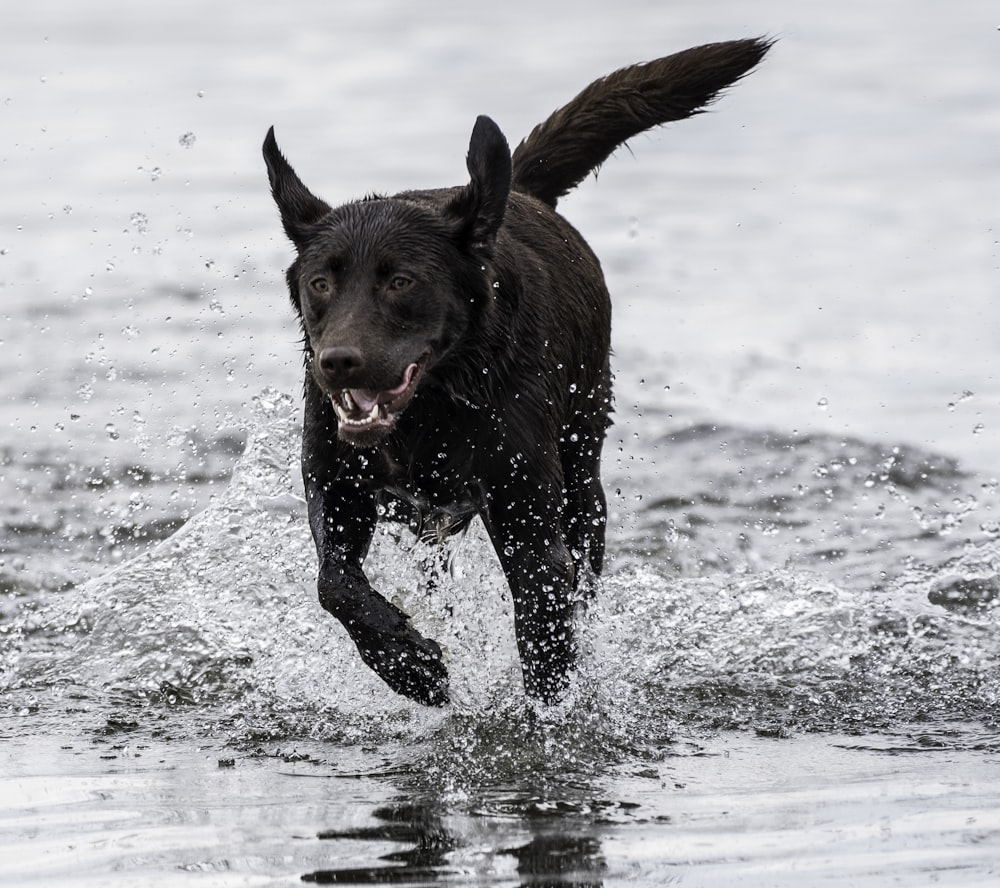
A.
x: 221, y: 621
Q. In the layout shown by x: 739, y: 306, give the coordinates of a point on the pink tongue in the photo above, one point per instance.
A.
x: 366, y: 398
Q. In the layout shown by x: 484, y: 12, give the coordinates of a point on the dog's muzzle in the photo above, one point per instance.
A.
x: 366, y: 415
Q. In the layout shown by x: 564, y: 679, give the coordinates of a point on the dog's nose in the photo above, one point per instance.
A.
x: 341, y: 361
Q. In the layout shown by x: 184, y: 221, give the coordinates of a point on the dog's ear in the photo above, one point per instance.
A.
x: 477, y: 210
x: 298, y: 206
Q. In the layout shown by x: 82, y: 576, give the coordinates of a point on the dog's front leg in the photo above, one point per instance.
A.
x: 406, y: 661
x: 523, y: 521
x: 342, y: 517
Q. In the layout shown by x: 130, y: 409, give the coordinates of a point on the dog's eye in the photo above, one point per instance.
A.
x: 320, y: 285
x: 398, y: 283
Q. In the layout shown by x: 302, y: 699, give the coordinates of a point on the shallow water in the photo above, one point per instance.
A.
x: 790, y: 673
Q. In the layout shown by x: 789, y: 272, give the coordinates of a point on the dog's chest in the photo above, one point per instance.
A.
x: 431, y: 521
x: 435, y: 498
x: 432, y: 483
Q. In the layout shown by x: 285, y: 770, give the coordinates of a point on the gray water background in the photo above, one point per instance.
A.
x: 804, y: 284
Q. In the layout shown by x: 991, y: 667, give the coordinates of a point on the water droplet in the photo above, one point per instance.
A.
x: 139, y: 222
x: 187, y: 140
x: 112, y: 431
x: 965, y: 396
x: 978, y: 428
x: 991, y: 529
x: 823, y: 403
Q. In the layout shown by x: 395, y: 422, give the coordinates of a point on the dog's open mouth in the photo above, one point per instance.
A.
x: 362, y: 412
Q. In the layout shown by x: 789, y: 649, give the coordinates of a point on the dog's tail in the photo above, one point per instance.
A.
x: 559, y: 154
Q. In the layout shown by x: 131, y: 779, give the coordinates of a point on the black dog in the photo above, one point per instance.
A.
x: 456, y: 349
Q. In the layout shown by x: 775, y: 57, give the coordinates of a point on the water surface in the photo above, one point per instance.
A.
x: 790, y: 674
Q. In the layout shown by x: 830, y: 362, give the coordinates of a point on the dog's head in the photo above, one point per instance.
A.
x: 386, y: 287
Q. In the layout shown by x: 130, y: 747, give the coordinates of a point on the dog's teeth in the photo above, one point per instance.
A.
x: 343, y: 411
x: 373, y: 415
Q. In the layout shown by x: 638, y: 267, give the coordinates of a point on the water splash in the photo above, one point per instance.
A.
x: 221, y: 621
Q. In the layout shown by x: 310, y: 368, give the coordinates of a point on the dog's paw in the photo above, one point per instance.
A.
x: 409, y: 663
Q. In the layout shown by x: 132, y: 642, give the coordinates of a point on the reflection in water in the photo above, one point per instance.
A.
x: 418, y: 825
x: 566, y: 861
x: 548, y: 859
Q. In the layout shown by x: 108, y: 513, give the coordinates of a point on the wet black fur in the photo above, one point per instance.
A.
x: 503, y: 306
